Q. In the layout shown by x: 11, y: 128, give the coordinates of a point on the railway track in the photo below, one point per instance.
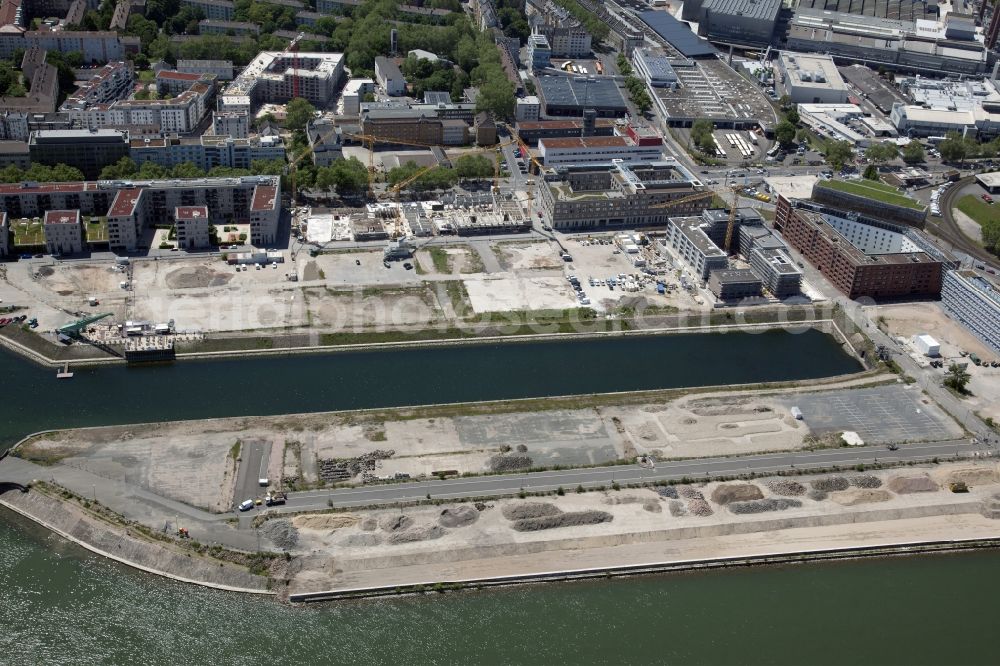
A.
x: 947, y: 229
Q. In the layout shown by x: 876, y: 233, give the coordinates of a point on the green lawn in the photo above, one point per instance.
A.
x: 97, y: 232
x: 27, y: 233
x: 873, y: 190
x: 988, y: 217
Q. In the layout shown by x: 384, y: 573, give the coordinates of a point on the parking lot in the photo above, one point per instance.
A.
x: 882, y: 414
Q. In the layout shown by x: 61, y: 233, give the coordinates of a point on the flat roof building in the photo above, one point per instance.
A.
x: 974, y: 302
x: 570, y: 96
x: 778, y: 274
x: 87, y: 150
x: 736, y: 21
x: 63, y: 231
x: 191, y: 224
x: 272, y: 77
x: 811, y: 79
x: 689, y: 238
x: 871, y: 198
x: 734, y: 284
x: 597, y: 150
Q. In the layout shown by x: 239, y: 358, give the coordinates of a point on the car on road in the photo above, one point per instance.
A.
x: 408, y: 266
x: 246, y: 505
x: 987, y: 198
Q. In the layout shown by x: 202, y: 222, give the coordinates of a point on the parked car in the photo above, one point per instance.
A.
x: 987, y: 198
x: 246, y: 505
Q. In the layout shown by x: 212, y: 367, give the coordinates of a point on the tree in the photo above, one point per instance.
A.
x: 913, y: 152
x: 514, y: 24
x: 701, y: 135
x: 624, y: 66
x: 153, y: 171
x: 784, y: 132
x: 123, y: 168
x: 837, y: 153
x: 298, y: 113
x: 496, y: 96
x: 473, y: 166
x: 871, y: 172
x: 792, y: 115
x: 186, y: 170
x: 884, y: 151
x: 954, y: 148
x: 63, y: 173
x: 956, y: 378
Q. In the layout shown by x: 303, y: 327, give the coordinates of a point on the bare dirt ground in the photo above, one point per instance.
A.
x: 517, y: 536
x: 969, y: 227
x: 907, y: 320
x: 522, y: 255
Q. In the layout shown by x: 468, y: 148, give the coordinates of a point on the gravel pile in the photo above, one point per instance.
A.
x: 764, y: 505
x: 361, y: 540
x: 677, y: 508
x: 281, y: 533
x: 817, y: 495
x: 395, y: 523
x: 736, y: 492
x: 568, y: 519
x: 458, y: 516
x: 699, y: 507
x: 830, y: 483
x: 529, y: 510
x: 865, y: 481
x: 368, y: 524
x: 786, y: 487
x: 422, y: 533
x: 690, y: 492
x: 912, y: 484
x: 341, y: 469
x: 509, y: 463
x: 670, y: 492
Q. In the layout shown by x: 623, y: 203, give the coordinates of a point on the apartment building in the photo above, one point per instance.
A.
x: 273, y: 78
x: 6, y: 236
x: 63, y: 231
x: 191, y: 224
x: 231, y: 124
x: 207, y: 152
x: 110, y: 83
x: 221, y: 69
x: 688, y: 236
x: 178, y: 115
x: 734, y: 284
x: 171, y: 82
x: 216, y: 10
x: 93, y: 46
x: 974, y: 302
x: 215, y: 27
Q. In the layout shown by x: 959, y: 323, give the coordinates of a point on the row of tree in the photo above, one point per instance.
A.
x: 441, y: 178
x: 126, y: 167
x: 41, y: 173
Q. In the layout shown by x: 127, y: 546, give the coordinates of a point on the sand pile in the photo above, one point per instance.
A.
x: 736, y: 492
x: 830, y: 483
x: 395, y: 523
x: 865, y: 481
x: 529, y: 510
x: 458, y: 516
x: 422, y: 533
x: 568, y: 519
x: 677, y: 508
x: 786, y: 487
x: 281, y: 533
x: 368, y: 524
x: 325, y: 522
x: 764, y: 505
x: 912, y: 484
x: 971, y: 476
x: 652, y: 506
x: 627, y: 499
x: 818, y: 495
x: 857, y: 496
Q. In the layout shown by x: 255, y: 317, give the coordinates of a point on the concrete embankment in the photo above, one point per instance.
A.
x: 819, y: 555
x: 130, y: 548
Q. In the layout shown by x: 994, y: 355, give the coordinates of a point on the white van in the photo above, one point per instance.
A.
x: 246, y: 505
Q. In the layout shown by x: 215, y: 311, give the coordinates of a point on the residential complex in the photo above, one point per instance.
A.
x: 616, y: 195
x: 974, y: 302
x: 63, y: 231
x: 192, y: 225
x: 133, y: 208
x: 208, y: 151
x: 272, y: 77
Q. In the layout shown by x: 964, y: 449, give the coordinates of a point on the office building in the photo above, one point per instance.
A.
x: 191, y: 224
x: 87, y: 150
x: 532, y: 131
x: 389, y: 77
x: 734, y: 284
x: 527, y: 108
x: 616, y: 195
x: 14, y: 153
x: 974, y: 302
x: 688, y: 236
x: 811, y: 79
x: 63, y: 231
x: 403, y: 125
x: 777, y: 273
x: 597, y: 150
x: 539, y: 52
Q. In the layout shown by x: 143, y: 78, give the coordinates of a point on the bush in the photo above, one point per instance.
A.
x: 166, y: 246
x: 560, y: 491
x: 580, y: 489
x: 243, y: 237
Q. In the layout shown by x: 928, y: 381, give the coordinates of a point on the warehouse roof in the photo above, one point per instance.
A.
x: 581, y: 92
x: 678, y: 34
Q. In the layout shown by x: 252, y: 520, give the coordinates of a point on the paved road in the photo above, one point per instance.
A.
x: 253, y: 467
x: 695, y: 469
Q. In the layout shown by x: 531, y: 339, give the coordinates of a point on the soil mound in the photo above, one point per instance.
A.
x: 569, y: 519
x: 786, y: 487
x: 324, y: 522
x: 422, y: 533
x: 361, y: 540
x: 971, y: 476
x: 458, y: 516
x: 529, y: 510
x: 395, y: 523
x: 195, y: 277
x: 857, y: 496
x: 368, y: 524
x: 736, y: 492
x: 652, y: 507
x: 912, y: 484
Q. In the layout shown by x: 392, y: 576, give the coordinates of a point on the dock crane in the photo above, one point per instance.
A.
x: 73, y: 329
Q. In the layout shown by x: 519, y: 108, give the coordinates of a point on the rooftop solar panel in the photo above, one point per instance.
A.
x: 678, y: 34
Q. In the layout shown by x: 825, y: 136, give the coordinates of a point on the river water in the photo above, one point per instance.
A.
x: 61, y: 605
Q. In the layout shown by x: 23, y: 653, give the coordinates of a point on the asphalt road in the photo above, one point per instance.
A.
x: 695, y: 469
x: 253, y: 467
